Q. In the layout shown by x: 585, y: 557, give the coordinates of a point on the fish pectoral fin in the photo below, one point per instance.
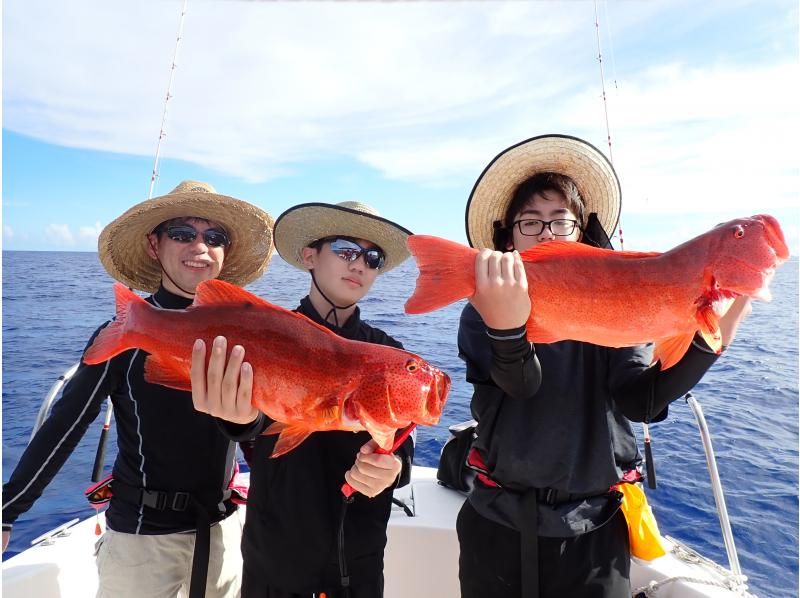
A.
x: 670, y: 350
x: 167, y: 371
x: 290, y: 437
x: 274, y: 428
x: 709, y: 327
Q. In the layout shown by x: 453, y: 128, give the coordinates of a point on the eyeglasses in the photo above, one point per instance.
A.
x: 350, y: 251
x: 184, y: 233
x: 560, y: 228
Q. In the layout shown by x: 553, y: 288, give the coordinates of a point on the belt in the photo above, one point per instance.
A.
x: 161, y: 500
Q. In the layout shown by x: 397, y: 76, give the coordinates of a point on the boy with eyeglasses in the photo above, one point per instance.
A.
x: 295, y: 509
x: 171, y: 519
x: 554, y: 432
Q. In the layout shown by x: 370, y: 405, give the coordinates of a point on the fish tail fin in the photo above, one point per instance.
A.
x: 669, y: 351
x: 446, y: 273
x: 112, y: 340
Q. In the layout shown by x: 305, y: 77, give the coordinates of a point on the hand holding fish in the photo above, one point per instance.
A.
x: 372, y: 473
x: 222, y: 391
x: 729, y: 323
x: 501, y: 289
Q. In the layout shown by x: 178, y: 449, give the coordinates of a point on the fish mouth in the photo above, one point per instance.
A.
x: 775, y: 237
x: 436, y: 397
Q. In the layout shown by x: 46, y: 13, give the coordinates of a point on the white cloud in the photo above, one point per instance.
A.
x: 8, y: 232
x: 59, y: 235
x: 90, y: 233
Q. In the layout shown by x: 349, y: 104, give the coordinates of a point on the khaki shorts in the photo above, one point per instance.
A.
x: 139, y: 566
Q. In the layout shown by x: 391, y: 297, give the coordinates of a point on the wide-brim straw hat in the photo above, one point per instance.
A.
x: 591, y: 171
x: 303, y: 224
x: 123, y: 243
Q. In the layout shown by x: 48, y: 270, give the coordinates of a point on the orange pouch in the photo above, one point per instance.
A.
x: 645, y: 539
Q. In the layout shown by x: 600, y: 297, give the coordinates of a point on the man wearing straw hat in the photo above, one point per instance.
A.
x: 295, y: 509
x: 169, y: 519
x: 554, y: 431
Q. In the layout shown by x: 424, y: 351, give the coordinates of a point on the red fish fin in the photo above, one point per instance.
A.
x: 168, y: 371
x: 274, y: 428
x: 219, y: 292
x: 709, y: 328
x: 572, y: 249
x: 112, y: 340
x: 289, y: 438
x: 446, y: 273
x: 670, y: 350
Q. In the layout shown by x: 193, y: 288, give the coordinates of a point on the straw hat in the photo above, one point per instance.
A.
x: 123, y: 243
x: 593, y: 174
x: 303, y: 224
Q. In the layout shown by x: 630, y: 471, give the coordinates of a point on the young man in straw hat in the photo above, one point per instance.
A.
x: 295, y: 507
x: 171, y: 504
x: 554, y: 429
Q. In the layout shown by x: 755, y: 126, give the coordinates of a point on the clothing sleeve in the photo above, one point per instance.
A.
x: 643, y: 392
x: 502, y: 357
x: 406, y: 455
x: 80, y: 403
x: 243, y: 432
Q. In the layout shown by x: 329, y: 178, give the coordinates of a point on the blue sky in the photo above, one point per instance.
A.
x: 399, y: 105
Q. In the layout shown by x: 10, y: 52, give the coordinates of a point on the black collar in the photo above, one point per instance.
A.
x: 348, y: 330
x: 163, y: 298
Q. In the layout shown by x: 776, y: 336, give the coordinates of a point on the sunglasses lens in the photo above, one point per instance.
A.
x: 350, y: 251
x: 181, y: 234
x: 216, y: 238
x: 374, y: 259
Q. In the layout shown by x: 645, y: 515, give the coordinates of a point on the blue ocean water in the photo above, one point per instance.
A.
x: 53, y: 301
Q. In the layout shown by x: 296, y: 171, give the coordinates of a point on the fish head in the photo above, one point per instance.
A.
x: 399, y: 388
x: 744, y: 254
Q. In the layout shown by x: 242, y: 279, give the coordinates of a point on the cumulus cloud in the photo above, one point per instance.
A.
x: 90, y: 233
x: 59, y: 235
x: 8, y: 232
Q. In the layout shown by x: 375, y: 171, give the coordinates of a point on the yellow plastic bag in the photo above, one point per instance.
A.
x: 643, y: 533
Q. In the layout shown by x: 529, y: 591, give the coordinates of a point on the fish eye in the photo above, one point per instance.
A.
x: 738, y: 232
x: 412, y: 365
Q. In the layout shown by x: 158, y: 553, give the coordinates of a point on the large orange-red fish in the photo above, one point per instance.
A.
x: 621, y: 298
x: 306, y: 378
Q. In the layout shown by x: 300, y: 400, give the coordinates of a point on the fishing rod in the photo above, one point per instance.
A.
x: 100, y: 456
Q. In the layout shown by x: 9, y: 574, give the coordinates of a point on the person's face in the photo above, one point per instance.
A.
x: 188, y: 263
x: 342, y: 281
x: 545, y: 206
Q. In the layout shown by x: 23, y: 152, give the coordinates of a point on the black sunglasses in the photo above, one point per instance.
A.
x: 350, y: 251
x: 185, y: 233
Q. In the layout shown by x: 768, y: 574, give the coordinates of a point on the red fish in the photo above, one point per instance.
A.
x: 306, y: 377
x: 621, y: 298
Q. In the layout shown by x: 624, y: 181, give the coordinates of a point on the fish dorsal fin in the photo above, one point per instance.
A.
x: 168, y: 371
x: 670, y: 350
x: 573, y: 249
x: 289, y: 437
x: 219, y: 292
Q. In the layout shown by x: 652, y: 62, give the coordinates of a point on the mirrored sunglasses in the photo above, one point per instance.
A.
x: 185, y: 233
x: 350, y: 251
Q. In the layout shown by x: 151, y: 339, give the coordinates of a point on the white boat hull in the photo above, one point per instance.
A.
x: 421, y: 556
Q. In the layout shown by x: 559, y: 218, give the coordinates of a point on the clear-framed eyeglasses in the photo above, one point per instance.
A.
x: 561, y: 227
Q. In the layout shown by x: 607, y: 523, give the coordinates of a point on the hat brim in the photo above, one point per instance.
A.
x: 303, y: 224
x: 591, y: 171
x: 123, y: 244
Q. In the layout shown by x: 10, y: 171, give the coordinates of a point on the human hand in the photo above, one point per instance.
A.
x: 6, y: 538
x: 222, y: 391
x: 729, y: 323
x: 501, y: 290
x: 373, y: 472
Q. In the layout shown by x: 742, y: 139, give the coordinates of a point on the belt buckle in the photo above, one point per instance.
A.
x: 180, y: 501
x: 154, y: 499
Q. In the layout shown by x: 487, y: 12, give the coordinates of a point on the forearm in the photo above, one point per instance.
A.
x: 515, y: 367
x: 242, y: 432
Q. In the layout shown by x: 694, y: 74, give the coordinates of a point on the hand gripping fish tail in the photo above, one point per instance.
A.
x: 446, y: 273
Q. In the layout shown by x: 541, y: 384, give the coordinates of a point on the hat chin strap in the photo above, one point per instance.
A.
x: 334, y: 307
x: 164, y: 270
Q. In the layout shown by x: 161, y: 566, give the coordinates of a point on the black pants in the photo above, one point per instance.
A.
x: 592, y: 565
x: 250, y: 590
